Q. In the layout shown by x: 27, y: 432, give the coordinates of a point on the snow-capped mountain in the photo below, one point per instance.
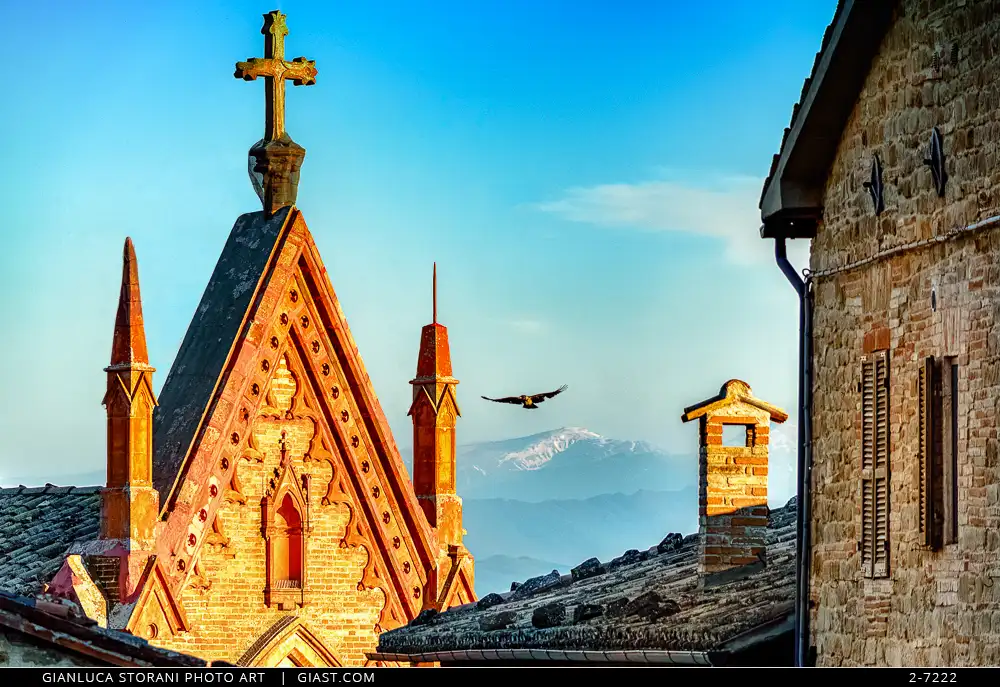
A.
x: 546, y: 446
x: 568, y: 463
x: 570, y: 494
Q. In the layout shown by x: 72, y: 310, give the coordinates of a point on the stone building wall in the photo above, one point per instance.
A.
x: 935, y: 608
x: 16, y: 651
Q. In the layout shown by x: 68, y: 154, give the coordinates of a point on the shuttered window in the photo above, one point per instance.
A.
x: 874, y: 544
x: 938, y: 452
x: 926, y: 449
x: 949, y: 450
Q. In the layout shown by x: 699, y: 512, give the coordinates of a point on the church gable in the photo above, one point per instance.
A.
x: 296, y: 370
x: 294, y: 540
x: 218, y: 322
x: 156, y: 613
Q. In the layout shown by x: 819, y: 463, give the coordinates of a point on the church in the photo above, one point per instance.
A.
x: 257, y: 512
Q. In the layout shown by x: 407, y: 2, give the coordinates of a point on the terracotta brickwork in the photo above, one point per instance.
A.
x: 937, y: 604
x: 434, y: 411
x: 292, y: 535
x: 287, y: 388
x: 224, y: 599
x: 732, y: 492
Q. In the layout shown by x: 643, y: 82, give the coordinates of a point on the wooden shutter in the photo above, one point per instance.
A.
x: 867, y: 385
x: 874, y: 543
x: 880, y: 555
x: 947, y: 388
x: 925, y: 420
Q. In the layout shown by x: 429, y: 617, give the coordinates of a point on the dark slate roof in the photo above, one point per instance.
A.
x: 37, y: 525
x: 55, y: 624
x: 649, y: 600
x: 218, y: 321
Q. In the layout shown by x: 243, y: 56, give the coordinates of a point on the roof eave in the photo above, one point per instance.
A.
x: 589, y: 657
x: 22, y: 615
x: 791, y: 202
x: 792, y: 223
x: 758, y: 635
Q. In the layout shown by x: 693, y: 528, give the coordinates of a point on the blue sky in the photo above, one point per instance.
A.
x: 585, y: 174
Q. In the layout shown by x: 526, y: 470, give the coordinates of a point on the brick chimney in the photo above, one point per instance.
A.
x: 732, y: 481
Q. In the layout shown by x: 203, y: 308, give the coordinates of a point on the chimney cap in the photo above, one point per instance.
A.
x: 732, y: 392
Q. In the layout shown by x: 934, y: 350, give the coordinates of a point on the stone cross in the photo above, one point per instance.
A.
x: 275, y: 70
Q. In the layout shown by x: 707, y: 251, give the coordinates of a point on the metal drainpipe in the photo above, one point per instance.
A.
x: 803, y: 496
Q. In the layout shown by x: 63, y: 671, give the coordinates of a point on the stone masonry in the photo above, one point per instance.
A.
x: 732, y: 498
x: 938, y: 66
x: 16, y: 652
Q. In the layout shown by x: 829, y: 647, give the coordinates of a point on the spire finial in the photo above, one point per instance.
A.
x: 435, y: 288
x: 275, y: 160
x: 129, y: 342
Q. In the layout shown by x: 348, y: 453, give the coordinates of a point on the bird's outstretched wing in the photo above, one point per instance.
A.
x: 508, y: 399
x: 538, y: 398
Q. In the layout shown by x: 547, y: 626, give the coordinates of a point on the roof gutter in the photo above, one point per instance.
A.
x: 803, y: 287
x: 641, y: 657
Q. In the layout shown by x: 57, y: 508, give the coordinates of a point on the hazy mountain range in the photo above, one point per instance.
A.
x: 568, y: 463
x: 551, y: 500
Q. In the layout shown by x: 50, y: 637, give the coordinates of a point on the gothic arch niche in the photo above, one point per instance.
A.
x: 286, y: 529
x: 286, y: 555
x: 289, y: 643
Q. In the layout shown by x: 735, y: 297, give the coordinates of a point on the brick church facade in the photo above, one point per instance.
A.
x: 257, y: 511
x: 891, y: 166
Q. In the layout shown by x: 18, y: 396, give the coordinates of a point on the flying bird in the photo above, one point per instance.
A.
x: 530, y: 402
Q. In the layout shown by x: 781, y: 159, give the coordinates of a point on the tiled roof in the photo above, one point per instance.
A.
x: 647, y: 600
x: 190, y: 385
x: 37, y: 525
x: 54, y: 624
x: 791, y: 199
x: 802, y: 96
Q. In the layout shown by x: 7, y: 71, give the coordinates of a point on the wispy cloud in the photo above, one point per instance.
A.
x: 725, y: 210
x: 526, y: 325
x: 784, y: 438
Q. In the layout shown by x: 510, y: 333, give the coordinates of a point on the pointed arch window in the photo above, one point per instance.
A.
x: 286, y: 531
x: 286, y: 559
